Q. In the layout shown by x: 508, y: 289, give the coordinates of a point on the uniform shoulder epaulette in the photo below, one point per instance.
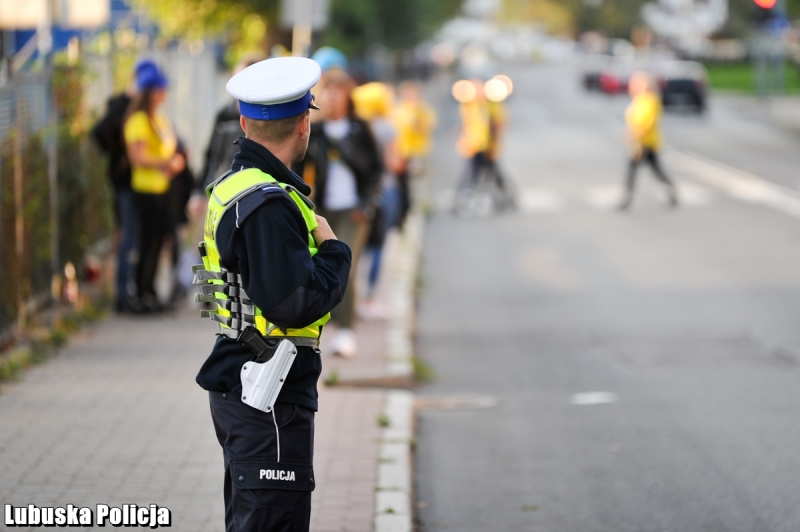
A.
x: 272, y: 188
x: 248, y: 204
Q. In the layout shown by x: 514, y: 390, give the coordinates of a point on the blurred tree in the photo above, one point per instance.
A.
x: 616, y: 18
x: 195, y: 19
x: 556, y: 17
x: 354, y: 25
x: 357, y: 24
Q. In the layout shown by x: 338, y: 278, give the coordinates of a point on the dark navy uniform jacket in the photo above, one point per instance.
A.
x: 266, y: 242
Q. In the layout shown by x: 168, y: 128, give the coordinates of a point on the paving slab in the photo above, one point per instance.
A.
x: 116, y: 418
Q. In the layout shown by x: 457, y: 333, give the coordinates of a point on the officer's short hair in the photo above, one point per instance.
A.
x: 273, y: 131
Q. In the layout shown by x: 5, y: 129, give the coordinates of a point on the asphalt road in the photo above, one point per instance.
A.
x: 686, y: 320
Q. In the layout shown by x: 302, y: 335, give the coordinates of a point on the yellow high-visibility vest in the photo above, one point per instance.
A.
x: 235, y: 311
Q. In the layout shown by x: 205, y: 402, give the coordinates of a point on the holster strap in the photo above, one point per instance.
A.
x: 205, y: 275
x: 227, y: 289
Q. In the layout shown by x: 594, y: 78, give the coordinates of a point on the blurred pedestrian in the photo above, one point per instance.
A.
x: 643, y: 118
x: 152, y: 151
x: 474, y: 139
x: 415, y: 120
x: 108, y: 134
x: 344, y: 163
x: 180, y: 191
x: 373, y: 103
x: 498, y: 121
x: 222, y: 145
x: 483, y: 122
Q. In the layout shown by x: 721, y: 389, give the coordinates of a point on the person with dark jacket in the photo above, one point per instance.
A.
x: 222, y: 145
x: 108, y: 134
x: 345, y: 165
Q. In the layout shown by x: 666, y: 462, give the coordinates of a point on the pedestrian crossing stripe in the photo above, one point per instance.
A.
x: 607, y: 197
x: 738, y: 184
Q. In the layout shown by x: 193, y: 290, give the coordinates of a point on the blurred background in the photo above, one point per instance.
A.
x: 63, y: 60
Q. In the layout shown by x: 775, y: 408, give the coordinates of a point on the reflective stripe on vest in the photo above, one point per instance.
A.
x: 234, y: 309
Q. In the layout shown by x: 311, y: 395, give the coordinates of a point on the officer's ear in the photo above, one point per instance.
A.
x: 243, y: 124
x: 305, y: 126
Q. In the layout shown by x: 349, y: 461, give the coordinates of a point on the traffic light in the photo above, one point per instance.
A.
x: 764, y: 11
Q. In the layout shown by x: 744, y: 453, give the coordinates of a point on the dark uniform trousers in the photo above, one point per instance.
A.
x: 262, y: 494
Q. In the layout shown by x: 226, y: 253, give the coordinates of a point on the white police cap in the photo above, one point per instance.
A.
x: 275, y: 88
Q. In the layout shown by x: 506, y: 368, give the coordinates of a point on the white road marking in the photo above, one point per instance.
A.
x: 537, y: 200
x: 534, y: 200
x: 594, y: 398
x: 693, y: 195
x: 739, y: 184
x: 608, y: 197
x: 604, y: 197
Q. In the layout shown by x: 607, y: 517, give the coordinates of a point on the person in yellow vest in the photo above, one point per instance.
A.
x: 643, y: 118
x: 152, y: 151
x: 415, y: 121
x: 273, y: 270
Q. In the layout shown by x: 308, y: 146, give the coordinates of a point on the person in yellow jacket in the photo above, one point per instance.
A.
x: 415, y: 120
x: 475, y: 128
x: 153, y: 153
x: 643, y: 118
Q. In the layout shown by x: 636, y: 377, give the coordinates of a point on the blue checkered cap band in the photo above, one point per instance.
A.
x: 276, y: 111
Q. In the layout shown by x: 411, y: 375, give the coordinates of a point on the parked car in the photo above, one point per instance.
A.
x: 683, y: 84
x: 614, y: 78
x: 592, y: 66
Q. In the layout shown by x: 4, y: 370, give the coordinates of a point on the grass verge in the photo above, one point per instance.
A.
x: 741, y: 77
x: 40, y: 344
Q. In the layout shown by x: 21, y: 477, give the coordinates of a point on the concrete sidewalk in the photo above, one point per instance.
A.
x: 116, y: 418
x: 781, y: 110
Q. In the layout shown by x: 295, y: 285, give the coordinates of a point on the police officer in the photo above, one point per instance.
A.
x: 274, y: 270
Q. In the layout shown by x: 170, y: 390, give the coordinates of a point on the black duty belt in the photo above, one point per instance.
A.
x: 263, y: 347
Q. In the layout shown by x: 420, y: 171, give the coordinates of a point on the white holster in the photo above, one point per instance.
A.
x: 262, y: 382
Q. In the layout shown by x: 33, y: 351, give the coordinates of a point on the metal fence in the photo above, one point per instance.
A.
x: 26, y: 243
x: 43, y: 226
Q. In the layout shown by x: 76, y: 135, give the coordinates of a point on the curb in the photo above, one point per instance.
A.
x: 400, y: 326
x: 393, y: 511
x: 393, y: 493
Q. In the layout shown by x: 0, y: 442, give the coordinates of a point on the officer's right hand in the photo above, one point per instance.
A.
x: 323, y: 231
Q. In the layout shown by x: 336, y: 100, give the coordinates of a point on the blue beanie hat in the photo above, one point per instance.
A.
x: 149, y: 76
x: 330, y: 58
